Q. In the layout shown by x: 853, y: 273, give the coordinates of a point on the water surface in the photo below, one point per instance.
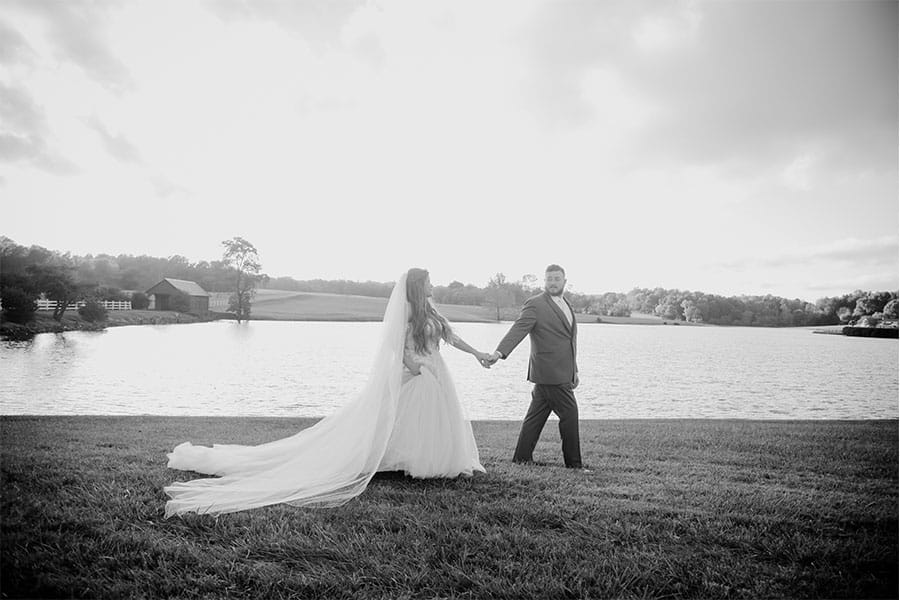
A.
x: 302, y: 369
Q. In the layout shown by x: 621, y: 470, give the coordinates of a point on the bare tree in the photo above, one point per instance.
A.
x: 499, y: 294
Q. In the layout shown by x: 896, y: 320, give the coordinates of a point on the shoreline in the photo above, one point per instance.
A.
x: 511, y: 422
x: 72, y: 321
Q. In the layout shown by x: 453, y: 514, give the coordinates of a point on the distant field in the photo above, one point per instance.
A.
x: 286, y: 305
x: 311, y: 306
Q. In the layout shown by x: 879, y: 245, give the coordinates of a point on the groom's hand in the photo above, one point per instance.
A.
x: 492, y: 358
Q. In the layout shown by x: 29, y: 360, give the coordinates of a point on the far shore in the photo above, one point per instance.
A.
x: 280, y: 305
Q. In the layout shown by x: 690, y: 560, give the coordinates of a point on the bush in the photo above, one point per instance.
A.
x: 93, y: 311
x: 19, y: 305
x: 140, y: 301
x: 867, y: 321
x: 111, y: 293
x: 891, y: 310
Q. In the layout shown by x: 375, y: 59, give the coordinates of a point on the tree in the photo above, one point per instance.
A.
x: 57, y: 284
x: 498, y: 293
x: 891, y: 310
x: 530, y: 284
x: 18, y: 305
x: 844, y: 314
x: 692, y: 312
x: 241, y: 256
x: 871, y: 302
x: 670, y: 307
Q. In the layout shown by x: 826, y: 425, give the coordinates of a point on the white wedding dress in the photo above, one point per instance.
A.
x: 398, y: 421
x: 431, y: 436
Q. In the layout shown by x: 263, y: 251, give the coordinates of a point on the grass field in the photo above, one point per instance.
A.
x: 672, y: 509
x: 308, y: 306
x: 336, y: 307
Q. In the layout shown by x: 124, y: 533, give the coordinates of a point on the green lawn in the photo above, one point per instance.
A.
x: 309, y: 306
x: 336, y: 307
x: 673, y: 509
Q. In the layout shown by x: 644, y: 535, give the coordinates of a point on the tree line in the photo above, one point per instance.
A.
x: 859, y: 307
x: 27, y: 273
x: 123, y: 277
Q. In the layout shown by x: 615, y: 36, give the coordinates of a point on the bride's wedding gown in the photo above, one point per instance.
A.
x: 398, y: 421
x: 431, y: 435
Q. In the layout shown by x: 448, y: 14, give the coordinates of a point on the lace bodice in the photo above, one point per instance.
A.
x: 432, y: 339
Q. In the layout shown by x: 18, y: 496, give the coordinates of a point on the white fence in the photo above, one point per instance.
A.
x: 107, y: 304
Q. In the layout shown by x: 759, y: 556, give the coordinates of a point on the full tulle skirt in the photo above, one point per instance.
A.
x: 431, y: 436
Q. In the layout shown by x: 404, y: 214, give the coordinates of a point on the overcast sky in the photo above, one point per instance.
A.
x: 726, y: 147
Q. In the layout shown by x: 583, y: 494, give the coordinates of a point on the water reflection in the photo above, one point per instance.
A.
x: 308, y: 369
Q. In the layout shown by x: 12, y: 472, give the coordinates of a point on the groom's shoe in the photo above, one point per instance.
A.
x: 580, y: 468
x: 530, y: 463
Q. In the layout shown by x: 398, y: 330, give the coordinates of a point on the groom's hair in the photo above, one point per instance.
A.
x: 555, y: 267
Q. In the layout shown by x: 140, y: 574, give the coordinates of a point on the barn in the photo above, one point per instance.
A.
x: 163, y: 291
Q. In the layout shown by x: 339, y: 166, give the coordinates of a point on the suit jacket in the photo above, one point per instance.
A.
x: 553, y: 340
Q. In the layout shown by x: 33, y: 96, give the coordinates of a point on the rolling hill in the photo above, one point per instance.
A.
x: 286, y: 305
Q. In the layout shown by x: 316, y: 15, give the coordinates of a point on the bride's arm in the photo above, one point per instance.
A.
x: 458, y: 343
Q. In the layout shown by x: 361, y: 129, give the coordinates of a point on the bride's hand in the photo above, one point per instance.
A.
x: 484, y: 359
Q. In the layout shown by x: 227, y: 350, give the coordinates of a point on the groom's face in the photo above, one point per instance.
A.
x: 554, y: 282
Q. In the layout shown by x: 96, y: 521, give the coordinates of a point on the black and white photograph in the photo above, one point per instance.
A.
x: 589, y: 299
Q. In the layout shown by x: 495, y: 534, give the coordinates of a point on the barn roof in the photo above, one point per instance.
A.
x: 188, y: 287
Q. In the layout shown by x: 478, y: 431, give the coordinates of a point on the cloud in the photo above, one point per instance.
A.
x: 318, y: 23
x: 165, y: 187
x: 21, y: 113
x: 117, y: 145
x: 76, y: 33
x: 24, y: 133
x: 14, y: 48
x: 739, y: 82
x: 56, y: 164
x: 882, y: 251
x: 798, y: 175
x: 15, y: 147
x: 562, y: 42
x: 763, y: 82
x: 875, y: 282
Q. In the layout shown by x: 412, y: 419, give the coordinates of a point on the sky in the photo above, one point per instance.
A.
x: 746, y: 147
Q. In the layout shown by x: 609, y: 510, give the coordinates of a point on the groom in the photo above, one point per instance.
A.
x: 548, y: 319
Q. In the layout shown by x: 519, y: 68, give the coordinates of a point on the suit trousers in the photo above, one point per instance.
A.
x: 559, y: 399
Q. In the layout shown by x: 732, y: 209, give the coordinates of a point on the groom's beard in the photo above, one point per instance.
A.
x: 558, y: 292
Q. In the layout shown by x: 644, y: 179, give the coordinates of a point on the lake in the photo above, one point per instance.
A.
x: 306, y: 369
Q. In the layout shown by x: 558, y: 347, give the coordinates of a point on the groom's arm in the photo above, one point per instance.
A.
x: 522, y: 327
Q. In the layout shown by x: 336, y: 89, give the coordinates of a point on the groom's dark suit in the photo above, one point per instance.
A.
x: 552, y: 370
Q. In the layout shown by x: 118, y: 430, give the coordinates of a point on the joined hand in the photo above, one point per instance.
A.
x: 487, y: 360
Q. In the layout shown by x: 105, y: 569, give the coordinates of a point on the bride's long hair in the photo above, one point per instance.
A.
x: 421, y: 311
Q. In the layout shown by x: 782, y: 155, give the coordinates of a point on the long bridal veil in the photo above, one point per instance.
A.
x: 324, y: 465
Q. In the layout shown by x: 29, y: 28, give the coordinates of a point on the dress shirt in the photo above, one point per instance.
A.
x: 563, y: 307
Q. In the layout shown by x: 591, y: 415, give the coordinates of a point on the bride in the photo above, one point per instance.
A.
x: 407, y: 417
